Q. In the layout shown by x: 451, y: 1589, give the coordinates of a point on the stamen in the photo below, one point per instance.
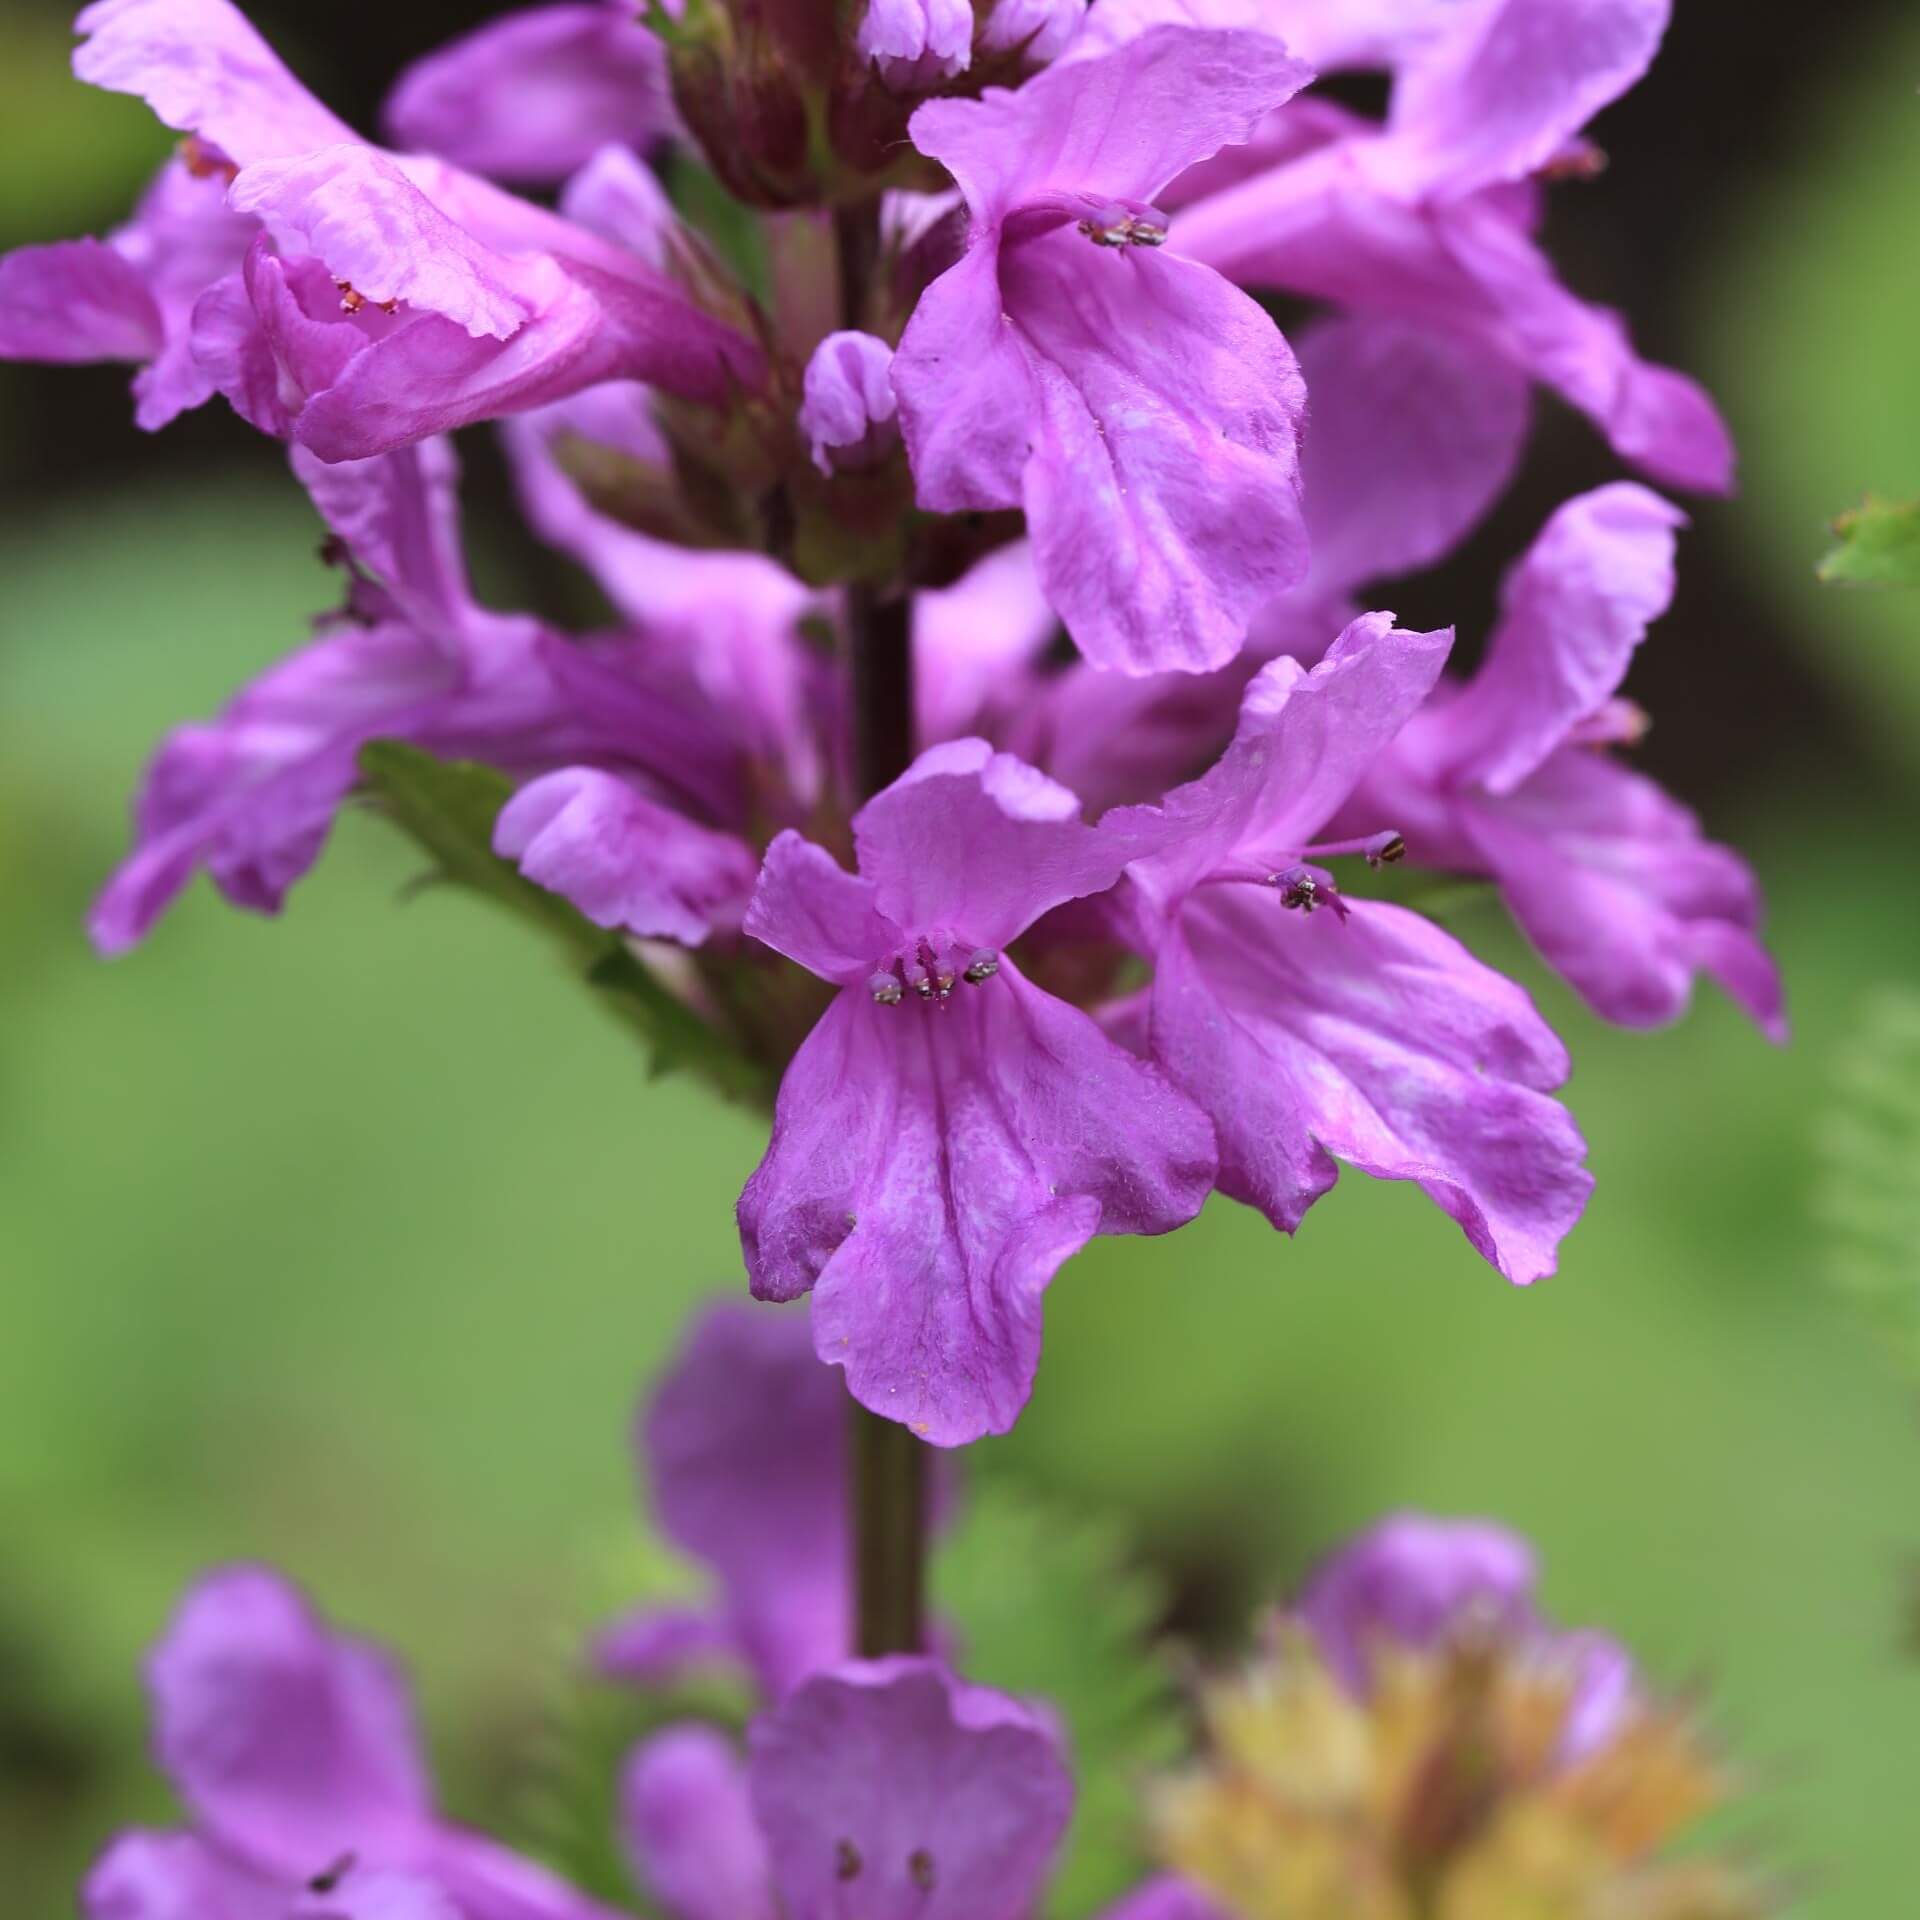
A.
x: 329, y: 1878
x: 917, y: 978
x: 205, y: 162
x: 885, y: 988
x: 1377, y: 849
x: 352, y: 300
x: 1298, y: 889
x: 846, y: 1861
x: 982, y: 964
x: 920, y: 1869
x: 1118, y: 226
x: 1617, y: 723
x: 1581, y: 161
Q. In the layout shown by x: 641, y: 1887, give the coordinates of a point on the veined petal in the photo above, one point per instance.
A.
x: 1572, y: 613
x: 1120, y: 126
x: 624, y: 860
x: 534, y: 95
x: 888, y: 1789
x: 978, y: 844
x: 689, y: 1827
x: 1377, y: 1038
x: 932, y: 1166
x: 810, y: 908
x: 292, y: 1745
x: 203, y: 69
x: 1303, y: 742
x: 1163, y: 491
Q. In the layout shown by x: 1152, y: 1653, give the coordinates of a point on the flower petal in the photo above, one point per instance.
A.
x: 1118, y: 127
x: 1377, y: 1038
x: 75, y: 301
x: 810, y: 908
x: 1615, y: 884
x: 534, y: 95
x: 931, y: 1167
x: 176, y: 1876
x: 292, y: 1745
x: 624, y: 860
x: 977, y: 845
x: 1303, y: 742
x: 203, y: 69
x: 889, y: 1789
x: 1503, y: 91
x: 1572, y: 613
x: 1410, y: 1580
x: 743, y: 1446
x: 689, y: 1827
x: 1165, y: 1899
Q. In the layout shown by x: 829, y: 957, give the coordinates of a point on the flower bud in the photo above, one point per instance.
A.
x: 848, y: 413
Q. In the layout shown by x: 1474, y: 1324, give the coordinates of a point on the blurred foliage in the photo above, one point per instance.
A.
x: 1879, y: 546
x: 1869, y: 1196
x: 1045, y: 1602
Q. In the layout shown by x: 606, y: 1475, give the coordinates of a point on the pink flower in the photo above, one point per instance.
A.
x: 1431, y: 215
x: 1509, y: 776
x: 883, y: 1788
x: 1141, y: 409
x: 1310, y: 1026
x: 294, y: 1752
x: 534, y: 95
x: 384, y: 297
x: 949, y: 1133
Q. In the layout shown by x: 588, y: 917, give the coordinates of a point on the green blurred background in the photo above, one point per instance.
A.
x: 347, y: 1241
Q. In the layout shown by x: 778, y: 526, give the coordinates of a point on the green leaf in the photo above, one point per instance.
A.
x: 1868, y: 1197
x: 565, y: 1810
x: 1879, y: 546
x: 1048, y: 1603
x: 449, y: 807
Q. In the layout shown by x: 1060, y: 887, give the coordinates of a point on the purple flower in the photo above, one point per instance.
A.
x: 534, y: 95
x: 949, y: 1133
x: 916, y: 43
x: 848, y: 412
x: 1431, y: 216
x: 1508, y: 776
x: 131, y: 296
x: 1310, y: 1026
x: 384, y: 297
x: 1414, y: 1582
x: 885, y: 1788
x: 743, y: 1448
x: 1141, y: 409
x: 294, y: 1751
x: 633, y: 826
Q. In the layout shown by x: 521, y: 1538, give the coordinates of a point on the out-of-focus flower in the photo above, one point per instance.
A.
x: 534, y: 95
x: 1510, y: 775
x: 1140, y: 408
x: 949, y: 1133
x: 1311, y: 1026
x: 294, y: 1752
x: 1418, y: 1741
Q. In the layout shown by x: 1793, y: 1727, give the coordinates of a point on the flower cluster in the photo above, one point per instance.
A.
x: 1002, y: 418
x: 1416, y: 1739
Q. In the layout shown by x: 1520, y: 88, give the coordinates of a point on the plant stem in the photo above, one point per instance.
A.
x: 887, y: 1465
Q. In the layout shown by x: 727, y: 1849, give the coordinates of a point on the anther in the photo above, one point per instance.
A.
x: 328, y: 1880
x: 351, y: 298
x: 846, y: 1861
x: 982, y: 964
x: 943, y: 977
x: 885, y: 988
x: 205, y: 162
x: 1384, y: 849
x: 1117, y: 227
x: 920, y: 1869
x: 918, y: 980
x: 1297, y: 888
